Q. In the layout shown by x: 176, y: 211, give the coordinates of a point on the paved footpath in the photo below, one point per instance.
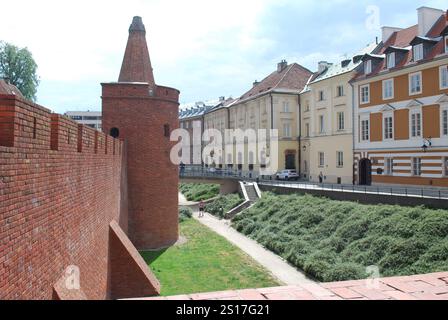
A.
x: 279, y: 268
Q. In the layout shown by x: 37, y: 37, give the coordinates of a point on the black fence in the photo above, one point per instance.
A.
x: 405, y: 191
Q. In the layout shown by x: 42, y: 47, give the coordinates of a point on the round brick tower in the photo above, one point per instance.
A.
x: 143, y: 114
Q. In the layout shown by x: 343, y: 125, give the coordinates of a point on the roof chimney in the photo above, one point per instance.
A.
x: 136, y: 65
x: 427, y: 17
x: 221, y: 99
x: 256, y: 83
x: 282, y: 66
x: 387, y: 32
x: 322, y: 66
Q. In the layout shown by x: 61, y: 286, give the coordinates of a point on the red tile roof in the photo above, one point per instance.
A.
x: 7, y: 88
x: 294, y: 77
x: 403, y: 39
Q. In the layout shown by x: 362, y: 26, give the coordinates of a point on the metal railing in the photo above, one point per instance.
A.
x: 404, y: 191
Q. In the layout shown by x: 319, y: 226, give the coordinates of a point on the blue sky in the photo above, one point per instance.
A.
x: 205, y: 48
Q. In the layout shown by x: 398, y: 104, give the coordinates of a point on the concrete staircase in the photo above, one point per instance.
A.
x: 251, y: 194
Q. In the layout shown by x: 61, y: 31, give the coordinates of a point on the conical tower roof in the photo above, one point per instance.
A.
x: 136, y: 65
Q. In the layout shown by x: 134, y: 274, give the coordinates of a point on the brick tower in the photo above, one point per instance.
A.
x: 143, y: 114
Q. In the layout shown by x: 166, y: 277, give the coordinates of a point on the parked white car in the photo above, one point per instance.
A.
x: 287, y: 175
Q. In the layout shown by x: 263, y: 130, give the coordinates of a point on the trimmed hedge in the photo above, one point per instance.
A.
x: 199, y: 191
x: 337, y: 240
x: 185, y: 214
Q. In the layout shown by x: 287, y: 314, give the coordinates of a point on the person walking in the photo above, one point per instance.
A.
x: 201, y: 209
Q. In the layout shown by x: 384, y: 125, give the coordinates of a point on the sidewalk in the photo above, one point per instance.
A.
x: 279, y: 268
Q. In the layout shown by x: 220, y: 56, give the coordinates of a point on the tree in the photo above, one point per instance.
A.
x: 19, y: 67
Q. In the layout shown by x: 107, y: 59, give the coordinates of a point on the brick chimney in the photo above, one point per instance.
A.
x: 136, y: 65
x: 427, y: 17
x: 282, y: 66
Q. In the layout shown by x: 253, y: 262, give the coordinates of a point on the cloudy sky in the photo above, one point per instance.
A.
x: 205, y: 48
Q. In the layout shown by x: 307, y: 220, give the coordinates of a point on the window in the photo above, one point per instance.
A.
x: 307, y: 130
x: 388, y: 166
x: 388, y: 128
x: 416, y: 124
x: 445, y: 166
x: 340, y: 159
x: 365, y: 130
x: 287, y: 130
x: 365, y: 94
x: 391, y: 60
x: 418, y: 52
x: 286, y: 107
x: 166, y: 130
x: 307, y: 106
x: 417, y: 166
x: 388, y: 89
x: 340, y: 91
x: 445, y: 122
x: 321, y: 156
x: 444, y: 77
x: 321, y: 124
x: 368, y: 67
x: 341, y: 121
x: 415, y: 83
x: 446, y: 44
x: 321, y: 95
x: 114, y: 133
x: 305, y: 166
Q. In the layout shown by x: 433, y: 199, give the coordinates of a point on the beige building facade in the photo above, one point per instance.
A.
x: 326, y: 117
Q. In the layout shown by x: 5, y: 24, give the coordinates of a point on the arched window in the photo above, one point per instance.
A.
x: 114, y: 132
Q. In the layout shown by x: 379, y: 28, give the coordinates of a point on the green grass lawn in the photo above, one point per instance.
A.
x: 337, y: 240
x: 206, y: 263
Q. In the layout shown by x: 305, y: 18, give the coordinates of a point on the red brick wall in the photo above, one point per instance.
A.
x: 59, y: 191
x: 152, y: 178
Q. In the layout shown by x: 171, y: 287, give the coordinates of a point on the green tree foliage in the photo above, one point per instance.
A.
x: 18, y: 65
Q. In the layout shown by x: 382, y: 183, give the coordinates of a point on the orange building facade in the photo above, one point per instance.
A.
x: 401, y: 106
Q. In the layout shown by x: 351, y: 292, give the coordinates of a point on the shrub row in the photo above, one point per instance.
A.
x: 199, y: 191
x: 224, y: 204
x: 335, y: 240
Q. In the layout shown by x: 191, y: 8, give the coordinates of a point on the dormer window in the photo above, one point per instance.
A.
x: 368, y: 67
x: 391, y: 60
x: 446, y: 44
x: 418, y: 52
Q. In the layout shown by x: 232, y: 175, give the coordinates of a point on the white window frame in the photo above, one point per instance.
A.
x: 321, y: 95
x: 418, y: 52
x: 445, y: 166
x: 444, y: 120
x: 361, y: 96
x: 416, y: 166
x: 368, y: 67
x: 321, y: 159
x: 419, y: 130
x: 286, y: 107
x: 391, y: 60
x: 441, y: 69
x: 340, y: 117
x: 446, y: 44
x: 388, y: 166
x: 307, y: 130
x: 386, y: 132
x: 340, y: 91
x: 287, y: 130
x: 392, y: 84
x: 339, y: 159
x: 364, y: 134
x: 411, y: 75
x: 321, y: 124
